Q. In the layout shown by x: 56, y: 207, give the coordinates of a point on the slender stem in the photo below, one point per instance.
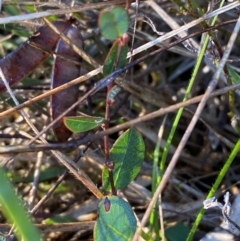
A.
x: 109, y: 163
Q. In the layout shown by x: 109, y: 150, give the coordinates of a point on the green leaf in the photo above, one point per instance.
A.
x: 82, y: 123
x: 178, y: 232
x: 30, y: 8
x: 114, y: 24
x: 235, y: 78
x: 127, y: 154
x: 123, y: 56
x: 112, y: 58
x: 12, y: 10
x: 13, y: 210
x: 116, y: 220
x: 2, y: 238
x: 109, y: 63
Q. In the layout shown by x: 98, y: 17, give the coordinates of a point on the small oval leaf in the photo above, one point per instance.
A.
x: 127, y: 154
x: 116, y: 223
x: 116, y: 58
x: 82, y: 123
x: 114, y: 24
x: 109, y: 63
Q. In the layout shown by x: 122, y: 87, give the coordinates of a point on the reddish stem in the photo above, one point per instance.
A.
x: 108, y: 162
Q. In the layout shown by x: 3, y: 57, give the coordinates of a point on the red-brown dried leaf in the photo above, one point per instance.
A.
x: 21, y: 62
x: 65, y: 70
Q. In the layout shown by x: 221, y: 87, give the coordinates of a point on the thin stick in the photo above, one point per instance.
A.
x: 150, y: 116
x: 184, y: 27
x: 84, y: 7
x: 79, y: 51
x: 61, y: 227
x: 53, y: 91
x: 36, y: 176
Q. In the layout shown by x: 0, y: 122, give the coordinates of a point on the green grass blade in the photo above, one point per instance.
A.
x: 13, y: 210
